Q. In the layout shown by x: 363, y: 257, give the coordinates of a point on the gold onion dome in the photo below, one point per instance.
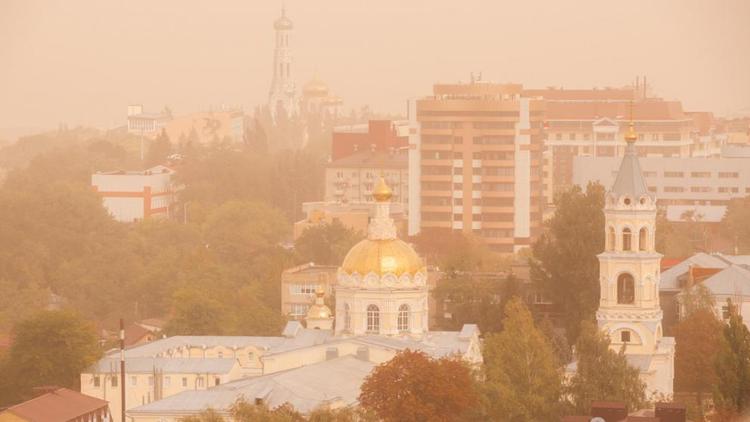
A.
x: 382, y: 257
x: 382, y: 192
x: 319, y: 310
x: 315, y: 86
x: 631, y: 136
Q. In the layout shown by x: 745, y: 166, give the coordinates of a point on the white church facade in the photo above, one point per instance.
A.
x: 629, y: 310
x: 381, y: 309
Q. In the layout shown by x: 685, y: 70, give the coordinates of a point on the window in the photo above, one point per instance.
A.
x: 558, y: 136
x: 673, y: 174
x: 700, y: 189
x: 674, y: 189
x: 725, y: 313
x: 184, y: 381
x: 458, y: 201
x: 373, y: 319
x: 728, y: 175
x: 572, y: 136
x: 199, y: 382
x: 625, y: 289
x: 611, y: 239
x: 642, y: 239
x: 250, y: 356
x: 217, y: 381
x: 167, y: 381
x: 299, y: 309
x: 403, y: 318
x: 97, y: 381
x: 347, y: 317
x: 115, y: 381
x: 649, y: 174
x: 626, y: 239
x: 221, y: 354
x: 625, y: 336
x: 133, y: 381
x: 700, y: 174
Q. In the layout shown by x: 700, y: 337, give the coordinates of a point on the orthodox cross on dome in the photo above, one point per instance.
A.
x: 381, y: 227
x: 630, y: 179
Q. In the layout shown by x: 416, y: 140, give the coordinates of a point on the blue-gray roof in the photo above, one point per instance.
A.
x: 143, y: 365
x: 630, y: 180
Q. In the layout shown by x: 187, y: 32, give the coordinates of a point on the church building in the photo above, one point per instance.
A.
x: 629, y: 309
x: 381, y: 309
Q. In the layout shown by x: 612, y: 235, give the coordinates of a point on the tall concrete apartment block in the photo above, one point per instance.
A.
x: 475, y: 163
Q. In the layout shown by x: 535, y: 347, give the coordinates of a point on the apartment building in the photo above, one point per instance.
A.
x: 351, y: 179
x: 378, y: 135
x: 475, y: 163
x: 298, y: 286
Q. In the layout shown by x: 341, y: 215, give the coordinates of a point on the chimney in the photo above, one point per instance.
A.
x: 332, y: 353
x: 671, y: 412
x: 611, y: 411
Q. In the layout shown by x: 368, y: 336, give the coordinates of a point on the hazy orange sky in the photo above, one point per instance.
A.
x: 83, y: 61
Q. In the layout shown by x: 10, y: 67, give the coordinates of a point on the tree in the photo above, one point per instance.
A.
x: 565, y: 265
x: 473, y: 299
x: 736, y: 224
x: 732, y: 395
x: 159, y: 149
x: 601, y: 373
x: 698, y: 339
x: 327, y: 243
x: 523, y: 375
x: 454, y: 251
x: 413, y: 387
x: 243, y: 411
x: 50, y: 348
x: 195, y: 314
x: 208, y: 415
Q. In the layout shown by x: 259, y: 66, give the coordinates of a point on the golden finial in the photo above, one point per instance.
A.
x: 382, y: 193
x: 631, y: 136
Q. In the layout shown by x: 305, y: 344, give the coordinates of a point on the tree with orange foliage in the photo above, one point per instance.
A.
x: 412, y: 387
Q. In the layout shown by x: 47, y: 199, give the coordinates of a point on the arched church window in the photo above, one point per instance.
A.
x: 626, y: 239
x: 403, y: 318
x: 373, y: 319
x: 347, y: 318
x: 642, y: 239
x: 611, y: 239
x: 625, y: 336
x: 625, y: 289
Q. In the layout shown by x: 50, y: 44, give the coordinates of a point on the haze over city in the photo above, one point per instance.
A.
x: 59, y: 57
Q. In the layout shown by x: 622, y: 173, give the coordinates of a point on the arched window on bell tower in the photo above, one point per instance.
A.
x: 643, y: 239
x: 625, y: 289
x: 611, y: 239
x: 627, y: 239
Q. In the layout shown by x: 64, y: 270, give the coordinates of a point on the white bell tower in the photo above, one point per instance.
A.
x: 629, y: 309
x: 282, y: 95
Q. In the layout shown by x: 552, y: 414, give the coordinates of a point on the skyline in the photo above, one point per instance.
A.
x: 159, y: 54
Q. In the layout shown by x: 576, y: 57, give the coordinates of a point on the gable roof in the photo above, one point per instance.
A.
x: 61, y: 405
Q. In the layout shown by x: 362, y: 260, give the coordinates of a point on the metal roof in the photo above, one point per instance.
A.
x: 630, y: 179
x: 145, y: 365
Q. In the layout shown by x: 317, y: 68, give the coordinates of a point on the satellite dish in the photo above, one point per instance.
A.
x: 598, y: 419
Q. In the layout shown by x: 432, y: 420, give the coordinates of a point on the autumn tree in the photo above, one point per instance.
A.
x: 732, y: 394
x: 453, y: 251
x: 327, y: 243
x: 50, y: 348
x: 412, y: 387
x: 208, y: 415
x: 523, y: 376
x: 244, y: 411
x: 564, y: 261
x: 601, y: 373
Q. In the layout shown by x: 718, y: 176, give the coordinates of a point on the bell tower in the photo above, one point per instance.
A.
x: 282, y: 95
x: 629, y: 270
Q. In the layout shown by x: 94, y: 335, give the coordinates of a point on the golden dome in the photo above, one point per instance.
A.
x: 631, y: 136
x: 382, y: 192
x: 319, y: 310
x: 381, y: 257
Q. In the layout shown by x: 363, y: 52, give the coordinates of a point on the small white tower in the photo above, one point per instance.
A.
x: 629, y: 272
x: 282, y: 95
x: 319, y: 315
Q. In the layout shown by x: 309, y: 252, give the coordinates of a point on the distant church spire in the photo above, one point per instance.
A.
x: 282, y: 95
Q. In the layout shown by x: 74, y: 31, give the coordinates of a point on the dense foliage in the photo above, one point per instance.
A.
x: 412, y: 387
x: 565, y: 265
x: 732, y: 394
x: 50, y: 348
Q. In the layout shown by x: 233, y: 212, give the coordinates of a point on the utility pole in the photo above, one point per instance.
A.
x: 122, y: 367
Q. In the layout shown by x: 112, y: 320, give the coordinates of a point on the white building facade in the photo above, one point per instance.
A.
x: 282, y: 95
x: 135, y: 195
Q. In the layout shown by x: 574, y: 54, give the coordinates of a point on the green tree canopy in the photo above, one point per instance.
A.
x: 601, y: 373
x: 523, y: 377
x: 158, y: 149
x: 327, y: 243
x: 50, y: 348
x: 565, y: 265
x: 732, y: 394
x: 736, y: 224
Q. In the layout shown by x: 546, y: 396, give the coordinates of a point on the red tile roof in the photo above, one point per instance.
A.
x: 134, y: 333
x: 61, y: 405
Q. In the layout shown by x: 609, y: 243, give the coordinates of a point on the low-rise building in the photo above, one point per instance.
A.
x: 136, y: 195
x: 352, y: 178
x: 378, y: 135
x: 353, y: 215
x: 299, y: 284
x: 207, y: 126
x: 58, y: 405
x: 145, y: 124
